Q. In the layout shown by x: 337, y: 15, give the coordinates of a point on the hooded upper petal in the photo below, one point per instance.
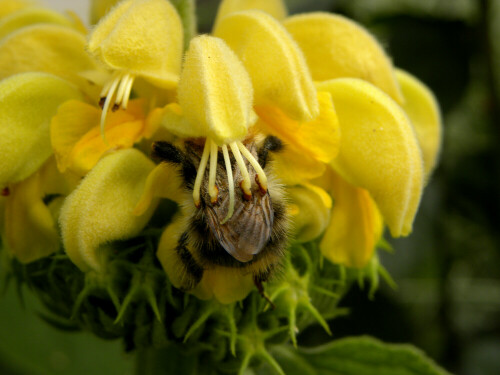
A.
x: 31, y: 16
x: 275, y: 63
x: 100, y: 209
x: 379, y: 151
x: 275, y: 8
x: 54, y: 49
x: 27, y: 103
x: 337, y: 47
x: 215, y: 94
x: 423, y: 110
x: 142, y: 37
x: 10, y: 6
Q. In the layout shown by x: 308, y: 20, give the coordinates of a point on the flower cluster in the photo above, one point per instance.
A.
x: 351, y: 142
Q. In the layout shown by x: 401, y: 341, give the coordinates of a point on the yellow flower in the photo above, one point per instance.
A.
x: 138, y: 38
x: 76, y: 138
x: 27, y: 102
x: 379, y: 167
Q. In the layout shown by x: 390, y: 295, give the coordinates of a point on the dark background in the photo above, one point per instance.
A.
x: 448, y: 271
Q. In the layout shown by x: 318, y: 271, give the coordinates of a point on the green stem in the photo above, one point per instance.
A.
x: 187, y: 12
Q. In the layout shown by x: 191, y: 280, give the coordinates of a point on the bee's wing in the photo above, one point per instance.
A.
x: 248, y: 230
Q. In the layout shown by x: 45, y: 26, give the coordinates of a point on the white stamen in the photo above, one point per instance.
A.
x: 255, y: 164
x: 121, y: 84
x: 212, y: 189
x: 121, y: 89
x: 229, y: 172
x: 107, y: 102
x: 128, y: 89
x: 246, y: 183
x: 201, y: 173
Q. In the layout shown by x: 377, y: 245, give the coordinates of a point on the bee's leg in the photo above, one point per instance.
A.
x: 167, y: 152
x: 272, y: 144
x: 258, y: 280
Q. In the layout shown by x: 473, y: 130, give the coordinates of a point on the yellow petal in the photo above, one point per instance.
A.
x: 275, y: 8
x: 319, y: 138
x: 310, y: 211
x: 99, y: 8
x: 226, y: 285
x: 308, y: 145
x: 292, y: 167
x: 423, y: 110
x: 30, y: 230
x: 76, y: 138
x: 46, y: 48
x: 337, y: 47
x: 100, y: 210
x: 144, y: 38
x: 355, y: 226
x: 31, y: 16
x: 379, y: 150
x: 215, y: 94
x: 27, y: 103
x: 163, y: 182
x: 278, y: 70
x: 10, y: 6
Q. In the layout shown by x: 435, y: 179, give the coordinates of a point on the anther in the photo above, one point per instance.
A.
x: 245, y: 184
x: 246, y: 195
x: 262, y: 190
x: 5, y: 192
x: 262, y: 181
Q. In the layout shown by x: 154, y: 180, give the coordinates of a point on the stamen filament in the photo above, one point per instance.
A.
x: 255, y: 164
x: 212, y: 189
x: 200, y: 173
x: 121, y: 89
x: 246, y: 183
x: 128, y: 89
x: 121, y: 84
x: 229, y: 172
x: 107, y: 102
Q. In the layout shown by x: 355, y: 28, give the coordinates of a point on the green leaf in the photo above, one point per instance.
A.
x: 356, y: 356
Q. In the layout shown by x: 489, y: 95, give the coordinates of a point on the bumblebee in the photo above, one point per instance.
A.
x: 223, y: 223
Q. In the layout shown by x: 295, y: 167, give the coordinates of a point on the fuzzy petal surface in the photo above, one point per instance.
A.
x: 10, y: 6
x: 355, y: 225
x: 379, y: 150
x: 99, y: 8
x: 54, y: 49
x: 215, y: 94
x: 100, y: 210
x: 27, y: 103
x: 31, y: 16
x: 276, y: 65
x: 422, y: 108
x: 142, y: 37
x: 336, y: 47
x: 275, y: 8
